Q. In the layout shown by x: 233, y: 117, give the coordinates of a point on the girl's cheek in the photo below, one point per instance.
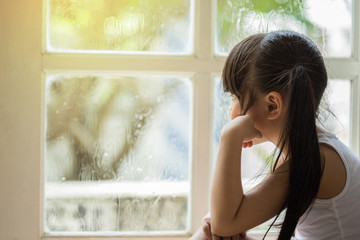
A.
x: 258, y: 119
x: 229, y: 112
x: 234, y: 114
x: 234, y: 109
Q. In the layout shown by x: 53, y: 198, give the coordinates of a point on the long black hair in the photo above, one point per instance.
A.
x: 290, y: 64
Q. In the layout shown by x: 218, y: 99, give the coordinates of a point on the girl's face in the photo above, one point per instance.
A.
x: 255, y: 112
x: 234, y: 109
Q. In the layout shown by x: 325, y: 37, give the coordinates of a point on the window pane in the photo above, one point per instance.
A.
x: 126, y: 25
x: 336, y: 107
x: 327, y: 22
x: 117, y: 153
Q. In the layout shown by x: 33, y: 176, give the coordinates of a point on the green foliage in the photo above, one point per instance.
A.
x: 238, y: 19
x: 269, y: 160
x: 130, y: 25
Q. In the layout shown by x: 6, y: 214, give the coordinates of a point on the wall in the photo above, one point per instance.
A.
x: 20, y: 116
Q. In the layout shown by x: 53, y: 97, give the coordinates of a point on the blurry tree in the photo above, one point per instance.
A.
x: 237, y: 19
x: 79, y: 108
x: 128, y: 25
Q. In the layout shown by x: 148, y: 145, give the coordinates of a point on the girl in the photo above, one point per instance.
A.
x: 277, y: 81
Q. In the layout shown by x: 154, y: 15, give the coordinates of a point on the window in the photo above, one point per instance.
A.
x: 117, y: 156
x: 154, y: 26
x: 95, y: 61
x: 117, y: 143
x: 113, y: 124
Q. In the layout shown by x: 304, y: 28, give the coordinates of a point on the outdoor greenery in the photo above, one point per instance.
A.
x: 238, y: 19
x: 119, y: 25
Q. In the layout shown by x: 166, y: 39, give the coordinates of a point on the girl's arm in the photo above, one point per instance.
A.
x: 232, y: 211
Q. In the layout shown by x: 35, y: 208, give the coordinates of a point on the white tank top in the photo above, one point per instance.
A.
x: 337, y: 218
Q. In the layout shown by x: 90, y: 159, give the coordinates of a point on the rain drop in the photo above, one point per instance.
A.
x: 159, y: 99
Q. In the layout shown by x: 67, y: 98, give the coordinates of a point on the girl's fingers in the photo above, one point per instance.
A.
x: 206, y: 220
x: 247, y: 144
x: 209, y: 236
x: 215, y: 237
x: 236, y: 237
x: 207, y: 227
x: 207, y: 231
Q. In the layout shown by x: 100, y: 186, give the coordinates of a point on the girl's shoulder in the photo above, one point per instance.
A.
x: 333, y: 178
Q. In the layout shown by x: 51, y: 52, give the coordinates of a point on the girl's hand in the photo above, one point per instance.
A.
x: 241, y: 128
x: 207, y: 231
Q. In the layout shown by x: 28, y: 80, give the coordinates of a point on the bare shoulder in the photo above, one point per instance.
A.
x: 334, y: 175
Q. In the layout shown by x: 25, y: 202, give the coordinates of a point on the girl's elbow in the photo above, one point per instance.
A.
x: 223, y: 228
x: 221, y: 233
x: 220, y: 230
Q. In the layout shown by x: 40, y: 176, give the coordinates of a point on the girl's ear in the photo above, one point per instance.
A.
x: 274, y: 105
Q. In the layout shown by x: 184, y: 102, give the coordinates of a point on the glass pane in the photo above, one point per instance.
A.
x: 126, y: 25
x: 117, y: 153
x: 327, y: 22
x: 336, y: 107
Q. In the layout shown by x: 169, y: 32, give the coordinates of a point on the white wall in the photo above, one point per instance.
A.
x: 20, y: 116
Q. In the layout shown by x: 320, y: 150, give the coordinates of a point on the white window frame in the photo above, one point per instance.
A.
x: 24, y: 64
